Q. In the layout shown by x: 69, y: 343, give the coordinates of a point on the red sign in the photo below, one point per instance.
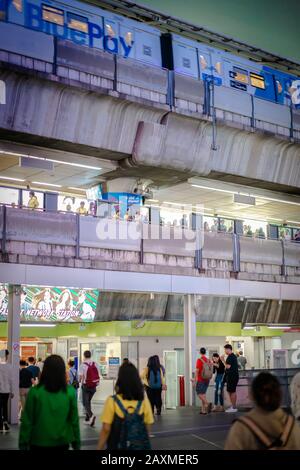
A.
x: 27, y: 351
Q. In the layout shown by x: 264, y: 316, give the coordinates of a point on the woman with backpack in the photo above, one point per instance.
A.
x: 153, y: 377
x: 50, y: 417
x: 267, y: 425
x: 127, y: 415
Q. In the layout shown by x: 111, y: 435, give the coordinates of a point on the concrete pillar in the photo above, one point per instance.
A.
x: 13, y: 345
x: 189, y: 346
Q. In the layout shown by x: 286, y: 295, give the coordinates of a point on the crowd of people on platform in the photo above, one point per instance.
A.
x: 49, y: 404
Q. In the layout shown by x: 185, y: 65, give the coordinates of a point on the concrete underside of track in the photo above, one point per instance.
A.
x: 141, y: 134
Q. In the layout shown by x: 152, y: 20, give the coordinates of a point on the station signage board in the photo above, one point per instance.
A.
x: 45, y: 304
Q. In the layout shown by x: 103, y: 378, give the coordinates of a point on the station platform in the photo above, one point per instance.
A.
x: 180, y: 429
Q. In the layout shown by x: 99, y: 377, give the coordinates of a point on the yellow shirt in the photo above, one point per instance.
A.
x: 111, y: 407
x: 82, y: 211
x: 33, y: 203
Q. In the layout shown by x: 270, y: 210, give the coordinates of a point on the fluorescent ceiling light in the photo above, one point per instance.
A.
x: 77, y: 189
x: 38, y: 325
x: 279, y: 327
x: 258, y: 196
x: 248, y: 327
x: 293, y: 221
x: 79, y: 165
x: 10, y: 179
x: 177, y: 203
x: 152, y: 200
x: 47, y: 184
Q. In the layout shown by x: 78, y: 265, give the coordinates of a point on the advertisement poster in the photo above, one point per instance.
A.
x: 52, y: 304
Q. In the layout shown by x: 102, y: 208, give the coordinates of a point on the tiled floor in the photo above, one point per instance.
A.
x: 181, y: 429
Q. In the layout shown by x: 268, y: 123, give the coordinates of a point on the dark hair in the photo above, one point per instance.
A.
x: 153, y: 366
x: 266, y: 391
x: 53, y: 375
x: 87, y: 354
x: 228, y: 346
x: 6, y: 353
x: 23, y: 363
x: 31, y: 359
x: 71, y: 362
x: 129, y: 384
x: 216, y: 355
x: 125, y: 360
x: 156, y: 359
x: 202, y: 351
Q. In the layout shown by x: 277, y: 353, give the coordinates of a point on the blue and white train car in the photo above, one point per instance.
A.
x: 86, y: 25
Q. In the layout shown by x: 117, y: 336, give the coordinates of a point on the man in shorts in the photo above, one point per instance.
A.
x: 202, y: 384
x: 231, y: 377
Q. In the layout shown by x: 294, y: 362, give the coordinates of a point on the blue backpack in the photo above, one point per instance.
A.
x: 152, y: 384
x: 128, y: 433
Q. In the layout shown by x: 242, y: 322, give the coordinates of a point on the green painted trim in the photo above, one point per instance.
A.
x: 149, y: 328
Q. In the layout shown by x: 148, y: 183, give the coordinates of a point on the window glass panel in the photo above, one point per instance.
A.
x: 26, y: 197
x: 110, y: 30
x: 129, y: 38
x: 80, y: 23
x: 147, y: 50
x: 186, y: 62
x: 279, y: 87
x: 218, y: 67
x: 203, y: 62
x: 18, y: 4
x: 9, y: 196
x: 240, y: 75
x: 53, y: 15
x: 257, y: 81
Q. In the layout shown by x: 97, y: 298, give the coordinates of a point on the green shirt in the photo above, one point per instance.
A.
x: 50, y: 419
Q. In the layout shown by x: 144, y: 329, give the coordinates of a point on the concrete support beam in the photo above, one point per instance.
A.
x: 13, y: 345
x: 189, y: 346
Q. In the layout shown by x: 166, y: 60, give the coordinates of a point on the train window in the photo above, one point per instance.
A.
x: 257, y: 81
x: 186, y: 63
x: 18, y: 5
x: 279, y: 87
x: 129, y: 38
x: 53, y: 15
x: 80, y: 23
x: 218, y: 68
x: 240, y: 75
x: 203, y: 62
x: 110, y: 30
x: 147, y: 50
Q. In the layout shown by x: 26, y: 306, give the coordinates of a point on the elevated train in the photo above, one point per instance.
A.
x: 89, y: 26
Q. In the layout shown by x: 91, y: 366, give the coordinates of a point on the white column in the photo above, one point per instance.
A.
x: 189, y: 346
x: 13, y: 345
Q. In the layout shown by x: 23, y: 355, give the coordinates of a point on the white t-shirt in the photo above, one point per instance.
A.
x: 83, y: 370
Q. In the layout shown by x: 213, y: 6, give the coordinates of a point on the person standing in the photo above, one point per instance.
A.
x: 154, y: 381
x: 50, y: 418
x: 203, y: 374
x: 89, y: 377
x: 34, y: 369
x: 242, y: 361
x: 231, y: 376
x: 33, y: 202
x: 82, y: 210
x: 267, y: 425
x: 5, y: 389
x: 127, y: 416
x: 26, y: 381
x: 219, y: 370
x: 73, y: 375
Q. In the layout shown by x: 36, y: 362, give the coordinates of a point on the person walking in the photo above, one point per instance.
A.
x: 295, y: 396
x: 73, y: 375
x: 242, y: 361
x: 89, y: 377
x: 154, y: 380
x: 26, y: 381
x: 267, y: 425
x: 50, y: 417
x: 219, y: 370
x: 203, y: 374
x: 5, y: 389
x: 231, y: 377
x: 34, y: 369
x: 127, y: 415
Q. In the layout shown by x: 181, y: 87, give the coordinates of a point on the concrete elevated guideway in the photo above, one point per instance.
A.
x: 122, y: 110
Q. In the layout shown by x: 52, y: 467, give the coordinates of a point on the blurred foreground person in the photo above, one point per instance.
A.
x: 295, y: 396
x: 50, y: 418
x: 127, y: 415
x: 266, y: 426
x: 5, y: 389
